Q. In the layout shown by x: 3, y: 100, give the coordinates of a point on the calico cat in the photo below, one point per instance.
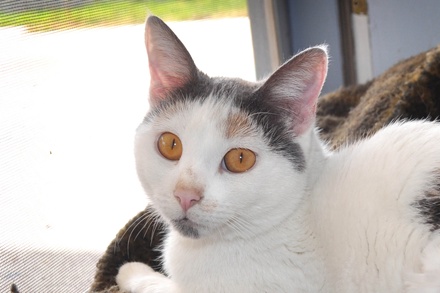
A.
x: 255, y: 202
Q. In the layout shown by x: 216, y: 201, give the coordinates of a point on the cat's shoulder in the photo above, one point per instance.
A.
x: 400, y: 160
x: 416, y: 131
x: 399, y: 139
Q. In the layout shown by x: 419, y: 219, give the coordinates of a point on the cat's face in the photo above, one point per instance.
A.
x: 214, y: 137
x: 222, y: 156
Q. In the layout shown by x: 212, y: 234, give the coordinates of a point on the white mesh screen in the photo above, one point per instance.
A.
x: 70, y: 101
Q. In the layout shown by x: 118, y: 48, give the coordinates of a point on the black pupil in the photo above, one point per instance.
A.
x: 241, y: 158
x: 173, y: 144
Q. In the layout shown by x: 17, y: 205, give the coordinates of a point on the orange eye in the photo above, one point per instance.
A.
x: 170, y: 146
x: 239, y: 160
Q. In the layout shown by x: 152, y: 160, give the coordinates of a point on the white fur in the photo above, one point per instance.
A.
x: 361, y: 208
x: 345, y: 225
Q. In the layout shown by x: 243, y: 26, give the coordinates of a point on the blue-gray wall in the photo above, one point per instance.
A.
x: 400, y: 29
x: 316, y: 22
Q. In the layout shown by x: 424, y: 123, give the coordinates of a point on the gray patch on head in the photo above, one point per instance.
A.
x: 267, y: 117
x: 246, y: 97
x: 273, y: 124
x: 186, y: 228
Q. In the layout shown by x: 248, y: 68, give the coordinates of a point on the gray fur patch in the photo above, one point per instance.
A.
x: 186, y: 228
x: 429, y: 209
x: 273, y: 124
x: 429, y: 206
x: 246, y: 97
x: 268, y: 117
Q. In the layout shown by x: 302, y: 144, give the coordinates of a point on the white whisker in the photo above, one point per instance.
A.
x: 134, y: 224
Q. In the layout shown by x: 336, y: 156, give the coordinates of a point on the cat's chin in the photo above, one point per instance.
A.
x: 186, y: 228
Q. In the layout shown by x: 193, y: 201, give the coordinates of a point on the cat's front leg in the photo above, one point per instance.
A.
x: 136, y: 277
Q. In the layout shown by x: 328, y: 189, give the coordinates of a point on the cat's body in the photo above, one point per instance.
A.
x: 367, y: 209
x: 256, y: 204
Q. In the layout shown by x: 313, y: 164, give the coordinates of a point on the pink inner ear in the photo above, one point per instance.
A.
x: 170, y: 64
x: 157, y: 89
x: 304, y: 119
x: 307, y: 104
x: 296, y: 86
x: 161, y: 83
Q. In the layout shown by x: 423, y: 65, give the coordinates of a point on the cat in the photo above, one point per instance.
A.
x: 256, y: 203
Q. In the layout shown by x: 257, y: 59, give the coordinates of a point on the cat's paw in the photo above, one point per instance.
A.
x: 130, y: 272
x: 136, y: 277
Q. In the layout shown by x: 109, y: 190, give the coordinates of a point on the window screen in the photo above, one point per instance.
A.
x: 73, y: 87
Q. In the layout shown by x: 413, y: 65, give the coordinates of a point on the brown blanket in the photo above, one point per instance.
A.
x: 408, y: 90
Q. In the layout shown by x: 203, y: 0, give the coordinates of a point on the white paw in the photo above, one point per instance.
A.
x: 131, y: 274
x: 136, y: 277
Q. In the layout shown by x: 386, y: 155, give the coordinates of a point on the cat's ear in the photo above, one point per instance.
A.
x: 171, y: 66
x: 296, y: 86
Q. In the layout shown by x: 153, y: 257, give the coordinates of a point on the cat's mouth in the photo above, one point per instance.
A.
x: 186, y: 227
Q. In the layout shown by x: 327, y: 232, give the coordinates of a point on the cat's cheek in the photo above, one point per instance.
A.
x: 269, y: 189
x: 154, y: 172
x: 209, y: 207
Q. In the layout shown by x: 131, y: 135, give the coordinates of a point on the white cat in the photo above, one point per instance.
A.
x: 254, y: 201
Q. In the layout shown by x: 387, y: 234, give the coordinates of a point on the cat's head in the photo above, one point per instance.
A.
x: 222, y: 156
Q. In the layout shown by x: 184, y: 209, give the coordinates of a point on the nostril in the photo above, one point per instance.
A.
x: 187, y: 198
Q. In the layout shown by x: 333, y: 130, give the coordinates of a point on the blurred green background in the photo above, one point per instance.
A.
x: 111, y: 12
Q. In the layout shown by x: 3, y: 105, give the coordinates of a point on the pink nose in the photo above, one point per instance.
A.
x: 187, y: 198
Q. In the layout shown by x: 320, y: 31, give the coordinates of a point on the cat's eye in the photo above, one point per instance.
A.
x: 239, y: 160
x: 170, y: 146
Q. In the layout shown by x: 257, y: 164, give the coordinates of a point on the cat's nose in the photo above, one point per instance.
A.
x: 187, y: 198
